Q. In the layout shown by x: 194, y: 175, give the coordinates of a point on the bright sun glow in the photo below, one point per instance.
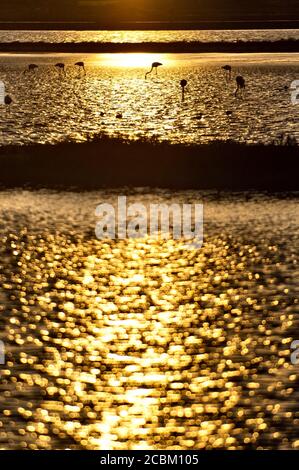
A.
x: 131, y: 59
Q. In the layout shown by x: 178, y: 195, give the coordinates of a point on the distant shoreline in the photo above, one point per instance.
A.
x: 153, y: 47
x: 150, y: 25
x: 113, y: 163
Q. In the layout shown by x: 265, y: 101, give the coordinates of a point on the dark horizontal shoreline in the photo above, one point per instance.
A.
x: 154, y: 47
x: 114, y: 163
x: 209, y: 24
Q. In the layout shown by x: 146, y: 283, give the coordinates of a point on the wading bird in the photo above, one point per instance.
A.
x: 241, y: 85
x: 31, y: 68
x: 155, y: 66
x: 81, y: 66
x: 228, y: 72
x: 60, y: 67
x: 8, y: 101
x: 184, y: 83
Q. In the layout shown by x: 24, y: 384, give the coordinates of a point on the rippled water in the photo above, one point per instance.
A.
x: 49, y: 107
x: 149, y: 36
x: 139, y: 344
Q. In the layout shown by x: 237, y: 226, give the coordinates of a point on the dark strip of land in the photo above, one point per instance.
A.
x: 150, y: 25
x: 153, y: 47
x: 111, y: 162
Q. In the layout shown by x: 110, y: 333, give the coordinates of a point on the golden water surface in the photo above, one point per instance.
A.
x: 50, y: 107
x: 149, y: 36
x: 140, y: 344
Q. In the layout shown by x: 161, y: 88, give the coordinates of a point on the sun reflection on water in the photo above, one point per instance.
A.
x: 170, y: 349
x: 137, y: 60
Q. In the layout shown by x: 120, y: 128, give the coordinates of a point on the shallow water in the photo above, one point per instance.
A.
x: 49, y: 107
x: 139, y: 344
x: 149, y: 36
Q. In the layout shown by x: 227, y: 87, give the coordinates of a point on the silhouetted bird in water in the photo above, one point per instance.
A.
x: 81, y: 66
x: 184, y: 83
x: 8, y: 101
x: 241, y: 85
x: 119, y: 116
x: 60, y: 67
x: 31, y: 68
x: 228, y: 71
x: 155, y: 66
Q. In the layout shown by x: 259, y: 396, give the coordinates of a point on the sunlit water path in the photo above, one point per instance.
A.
x: 139, y: 343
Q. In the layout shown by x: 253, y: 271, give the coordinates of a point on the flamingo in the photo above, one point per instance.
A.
x: 241, y: 85
x: 8, y: 101
x: 228, y: 71
x: 81, y: 65
x: 61, y: 67
x: 184, y: 83
x: 155, y: 66
x: 31, y: 68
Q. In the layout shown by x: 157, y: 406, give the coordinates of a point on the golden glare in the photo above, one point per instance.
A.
x: 131, y: 59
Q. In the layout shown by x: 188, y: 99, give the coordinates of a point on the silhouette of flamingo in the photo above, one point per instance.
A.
x: 81, y: 66
x: 31, y: 68
x: 184, y: 83
x: 228, y: 72
x: 241, y: 85
x: 8, y: 101
x: 155, y: 66
x: 60, y: 67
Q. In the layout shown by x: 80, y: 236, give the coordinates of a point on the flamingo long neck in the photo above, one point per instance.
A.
x: 150, y: 71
